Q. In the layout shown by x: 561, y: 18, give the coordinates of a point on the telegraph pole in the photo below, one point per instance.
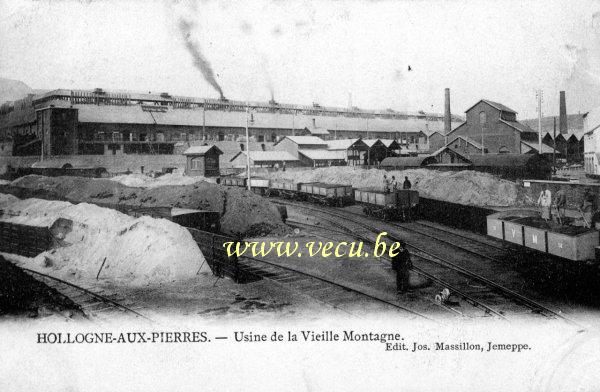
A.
x: 248, y: 144
x: 539, y: 95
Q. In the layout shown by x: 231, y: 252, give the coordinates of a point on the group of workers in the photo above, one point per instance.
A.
x: 392, y: 185
x: 587, y: 207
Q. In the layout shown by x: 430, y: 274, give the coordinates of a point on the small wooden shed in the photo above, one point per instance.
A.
x: 202, y: 161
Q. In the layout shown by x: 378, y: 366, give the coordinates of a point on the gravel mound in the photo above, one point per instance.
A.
x: 136, y: 251
x: 242, y: 212
x: 464, y: 187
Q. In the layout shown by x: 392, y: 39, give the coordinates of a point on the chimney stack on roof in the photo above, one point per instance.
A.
x: 563, y: 114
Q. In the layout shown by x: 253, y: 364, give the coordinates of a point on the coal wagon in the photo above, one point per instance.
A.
x: 396, y: 205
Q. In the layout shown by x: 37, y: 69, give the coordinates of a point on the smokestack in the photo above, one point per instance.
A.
x: 562, y: 119
x: 447, y: 114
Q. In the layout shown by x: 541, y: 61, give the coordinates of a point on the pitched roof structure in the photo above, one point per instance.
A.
x: 268, y: 156
x: 202, y: 150
x: 324, y: 155
x: 493, y: 104
x: 306, y: 140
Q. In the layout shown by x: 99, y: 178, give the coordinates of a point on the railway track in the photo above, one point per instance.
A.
x: 486, y: 291
x: 335, y: 294
x: 95, y: 306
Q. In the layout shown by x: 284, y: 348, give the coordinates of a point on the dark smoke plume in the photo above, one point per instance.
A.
x: 200, y: 62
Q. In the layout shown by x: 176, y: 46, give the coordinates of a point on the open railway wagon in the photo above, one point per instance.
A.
x: 326, y: 194
x: 527, y: 229
x: 234, y: 181
x: 260, y: 186
x: 284, y: 188
x: 396, y: 205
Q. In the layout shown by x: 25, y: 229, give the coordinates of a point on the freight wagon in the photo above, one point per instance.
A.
x: 395, y: 205
x: 327, y: 194
x: 527, y: 229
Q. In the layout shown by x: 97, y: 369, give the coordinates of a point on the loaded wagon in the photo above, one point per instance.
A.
x: 396, y: 205
x: 285, y: 188
x: 327, y: 194
x: 234, y: 181
x: 259, y: 185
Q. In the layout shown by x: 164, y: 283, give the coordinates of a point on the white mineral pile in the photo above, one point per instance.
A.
x: 135, y: 251
x: 463, y: 187
x: 146, y: 181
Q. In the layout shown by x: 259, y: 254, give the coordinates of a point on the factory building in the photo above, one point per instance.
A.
x: 493, y: 125
x: 97, y: 122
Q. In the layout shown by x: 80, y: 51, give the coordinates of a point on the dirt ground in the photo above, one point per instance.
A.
x: 242, y: 213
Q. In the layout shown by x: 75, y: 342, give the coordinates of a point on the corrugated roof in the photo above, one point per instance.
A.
x: 372, y: 142
x: 317, y: 131
x: 201, y: 150
x: 405, y: 161
x: 390, y: 142
x: 307, y: 140
x: 320, y: 155
x: 518, y: 126
x: 266, y: 156
x: 505, y: 160
x: 340, y: 144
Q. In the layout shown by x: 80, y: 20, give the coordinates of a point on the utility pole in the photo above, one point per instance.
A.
x: 248, y: 144
x: 482, y: 145
x: 539, y: 95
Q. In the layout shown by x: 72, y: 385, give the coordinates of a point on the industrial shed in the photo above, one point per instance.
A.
x: 407, y: 162
x: 319, y: 157
x: 513, y: 166
x: 265, y: 159
x: 202, y: 161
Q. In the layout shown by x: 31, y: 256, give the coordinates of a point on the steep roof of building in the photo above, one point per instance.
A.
x: 493, y: 104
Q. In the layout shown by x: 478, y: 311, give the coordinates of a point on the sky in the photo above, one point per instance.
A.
x: 330, y: 52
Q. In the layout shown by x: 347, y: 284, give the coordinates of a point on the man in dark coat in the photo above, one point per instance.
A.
x: 402, y: 264
x: 407, y: 184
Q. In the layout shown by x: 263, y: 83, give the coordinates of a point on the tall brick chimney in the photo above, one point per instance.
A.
x: 447, y: 113
x: 562, y: 119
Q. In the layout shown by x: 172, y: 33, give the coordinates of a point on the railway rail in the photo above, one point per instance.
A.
x: 424, y: 255
x: 335, y: 294
x: 95, y: 306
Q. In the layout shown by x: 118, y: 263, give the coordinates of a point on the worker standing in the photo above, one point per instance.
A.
x: 545, y: 202
x: 560, y: 201
x: 394, y: 184
x: 402, y: 264
x: 588, y: 206
x: 386, y: 184
x: 407, y: 184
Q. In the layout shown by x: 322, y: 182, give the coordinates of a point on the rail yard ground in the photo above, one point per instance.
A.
x: 291, y: 288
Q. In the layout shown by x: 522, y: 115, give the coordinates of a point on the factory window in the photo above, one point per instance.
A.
x: 482, y: 118
x: 261, y: 138
x: 221, y: 136
x: 273, y: 137
x: 160, y: 137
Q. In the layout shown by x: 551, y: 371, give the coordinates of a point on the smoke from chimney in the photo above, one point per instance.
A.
x: 200, y: 62
x: 562, y: 120
x: 447, y: 114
